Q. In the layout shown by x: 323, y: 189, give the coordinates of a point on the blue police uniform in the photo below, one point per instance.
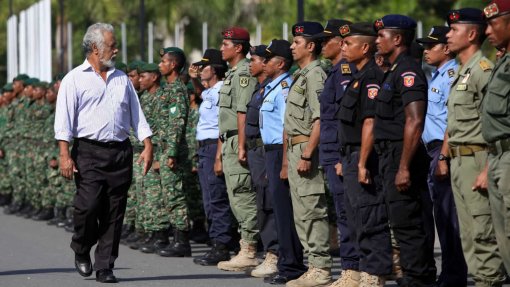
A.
x: 271, y: 119
x: 329, y: 155
x: 255, y: 147
x: 453, y: 264
x: 214, y: 189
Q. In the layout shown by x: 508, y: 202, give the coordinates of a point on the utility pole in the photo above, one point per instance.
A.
x: 10, y: 8
x: 300, y: 11
x: 142, y: 29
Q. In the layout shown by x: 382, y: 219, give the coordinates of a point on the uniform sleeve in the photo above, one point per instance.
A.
x: 369, y: 92
x: 314, y: 87
x: 172, y: 130
x: 413, y: 85
x: 244, y: 87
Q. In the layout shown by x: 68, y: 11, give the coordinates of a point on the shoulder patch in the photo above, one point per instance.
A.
x: 451, y: 73
x: 244, y: 81
x: 408, y: 78
x: 372, y: 91
x: 284, y: 84
x: 484, y: 65
x: 346, y: 69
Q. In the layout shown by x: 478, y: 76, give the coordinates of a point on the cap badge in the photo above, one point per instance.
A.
x: 491, y: 10
x: 345, y: 30
x: 299, y: 29
x: 454, y: 17
x: 379, y: 24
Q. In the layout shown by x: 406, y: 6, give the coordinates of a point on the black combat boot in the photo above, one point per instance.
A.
x: 26, y: 209
x: 180, y: 246
x: 142, y: 240
x: 45, y: 214
x: 60, y: 215
x: 69, y: 217
x: 5, y: 199
x: 219, y: 252
x: 127, y: 230
x: 158, y: 242
x: 14, y: 207
x: 33, y: 213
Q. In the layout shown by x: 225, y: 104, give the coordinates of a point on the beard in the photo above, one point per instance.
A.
x: 109, y: 63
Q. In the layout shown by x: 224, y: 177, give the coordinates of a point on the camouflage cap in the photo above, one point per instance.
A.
x: 148, y: 67
x: 171, y: 50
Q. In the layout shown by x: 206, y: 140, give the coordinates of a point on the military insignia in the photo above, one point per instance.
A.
x: 226, y: 82
x: 451, y: 73
x: 161, y: 52
x: 244, y: 81
x: 379, y: 24
x: 454, y: 17
x: 228, y: 34
x: 299, y: 29
x: 284, y: 84
x: 491, y: 10
x: 346, y: 69
x: 373, y: 91
x: 173, y: 110
x: 484, y: 65
x: 303, y: 82
x: 344, y: 30
x: 461, y: 87
x: 299, y: 90
x: 435, y: 90
x: 355, y: 85
x: 466, y: 78
x: 393, y: 67
x: 408, y: 79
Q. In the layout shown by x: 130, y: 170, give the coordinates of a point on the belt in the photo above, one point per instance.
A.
x: 294, y: 140
x: 112, y: 144
x: 227, y: 135
x: 466, y: 150
x: 252, y: 143
x: 271, y: 147
x: 433, y: 144
x: 348, y: 149
x: 207, y: 142
x: 499, y: 146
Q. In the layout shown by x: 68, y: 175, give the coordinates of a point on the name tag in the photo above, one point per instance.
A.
x: 299, y: 90
x: 462, y: 87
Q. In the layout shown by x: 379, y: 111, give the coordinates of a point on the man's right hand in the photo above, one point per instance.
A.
x: 442, y: 170
x: 193, y: 71
x: 67, y: 167
x: 218, y: 167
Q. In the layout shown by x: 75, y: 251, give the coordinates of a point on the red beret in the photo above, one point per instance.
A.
x: 496, y: 8
x: 236, y: 33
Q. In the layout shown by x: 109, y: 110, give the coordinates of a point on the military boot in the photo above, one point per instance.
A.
x: 14, y: 207
x: 146, y: 238
x: 348, y: 278
x: 159, y: 241
x: 60, y: 215
x: 266, y: 268
x: 5, y: 199
x: 180, y: 246
x: 69, y: 217
x: 135, y: 236
x: 26, y: 209
x: 245, y: 259
x: 219, y: 252
x: 45, y: 214
x: 314, y: 277
x: 35, y: 211
x: 368, y: 280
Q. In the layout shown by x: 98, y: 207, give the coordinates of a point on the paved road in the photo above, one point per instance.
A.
x: 33, y: 254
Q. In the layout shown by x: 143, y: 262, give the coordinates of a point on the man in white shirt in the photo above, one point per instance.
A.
x: 97, y: 106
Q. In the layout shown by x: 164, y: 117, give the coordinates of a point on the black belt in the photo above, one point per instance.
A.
x: 227, y: 135
x: 350, y: 148
x: 112, y: 144
x: 252, y: 143
x: 271, y: 147
x: 499, y: 146
x: 433, y: 144
x: 207, y: 142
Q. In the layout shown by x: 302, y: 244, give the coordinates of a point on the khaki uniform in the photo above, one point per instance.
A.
x: 469, y: 158
x: 496, y: 131
x: 235, y: 94
x: 307, y: 192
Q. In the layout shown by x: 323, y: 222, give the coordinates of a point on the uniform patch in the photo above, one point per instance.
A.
x: 285, y: 84
x: 484, y: 65
x: 451, y: 73
x: 461, y: 87
x: 409, y: 81
x: 244, y: 81
x: 173, y: 110
x: 346, y: 69
x: 372, y: 93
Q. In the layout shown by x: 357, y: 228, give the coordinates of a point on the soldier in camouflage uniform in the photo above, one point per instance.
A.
x: 5, y: 184
x: 174, y: 151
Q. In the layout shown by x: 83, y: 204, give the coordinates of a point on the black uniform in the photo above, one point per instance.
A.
x: 404, y: 83
x: 364, y: 204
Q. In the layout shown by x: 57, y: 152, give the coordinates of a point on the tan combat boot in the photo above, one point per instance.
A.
x: 267, y: 267
x: 348, y: 278
x: 314, y: 277
x: 246, y: 258
x: 368, y: 280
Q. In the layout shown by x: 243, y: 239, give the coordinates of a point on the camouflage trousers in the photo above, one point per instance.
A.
x: 5, y: 182
x: 61, y: 190
x: 36, y: 182
x: 15, y: 155
x: 130, y: 215
x: 174, y: 197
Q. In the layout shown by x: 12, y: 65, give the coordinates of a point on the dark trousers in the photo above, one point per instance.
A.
x: 265, y: 215
x: 348, y: 247
x: 214, y: 196
x: 102, y: 181
x: 405, y: 211
x: 290, y: 253
x: 453, y: 264
x: 366, y: 210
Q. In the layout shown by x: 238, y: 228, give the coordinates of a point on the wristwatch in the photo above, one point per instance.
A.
x: 443, y: 157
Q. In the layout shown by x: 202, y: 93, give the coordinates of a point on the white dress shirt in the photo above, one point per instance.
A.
x: 90, y: 107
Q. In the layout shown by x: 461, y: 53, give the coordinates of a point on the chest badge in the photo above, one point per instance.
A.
x: 462, y: 87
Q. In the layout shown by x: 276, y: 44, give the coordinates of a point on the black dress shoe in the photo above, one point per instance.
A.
x: 83, y: 265
x: 105, y: 276
x: 277, y: 279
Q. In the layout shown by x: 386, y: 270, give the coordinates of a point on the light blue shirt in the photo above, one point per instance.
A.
x: 272, y: 111
x: 439, y: 89
x: 207, y: 127
x: 92, y: 108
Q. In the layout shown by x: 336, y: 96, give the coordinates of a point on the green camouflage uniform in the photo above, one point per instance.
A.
x: 48, y: 193
x: 172, y: 131
x: 20, y: 149
x: 130, y: 215
x: 11, y: 151
x: 191, y: 183
x: 5, y: 184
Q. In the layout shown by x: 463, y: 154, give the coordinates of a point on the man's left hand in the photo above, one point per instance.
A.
x: 481, y: 182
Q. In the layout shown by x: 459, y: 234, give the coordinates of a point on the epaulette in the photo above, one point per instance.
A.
x: 451, y: 73
x: 284, y: 84
x: 484, y: 65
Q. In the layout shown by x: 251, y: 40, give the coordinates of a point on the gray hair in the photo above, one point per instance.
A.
x: 95, y: 35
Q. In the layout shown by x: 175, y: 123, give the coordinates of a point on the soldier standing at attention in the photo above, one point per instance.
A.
x: 468, y: 149
x: 437, y: 54
x: 214, y: 191
x: 329, y: 148
x: 256, y: 162
x: 235, y: 94
x: 302, y: 128
x: 496, y: 125
x: 399, y: 117
x: 174, y: 151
